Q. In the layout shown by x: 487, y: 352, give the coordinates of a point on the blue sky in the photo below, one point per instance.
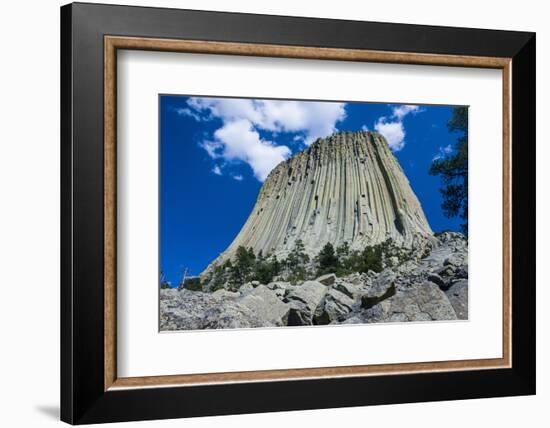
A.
x: 216, y: 152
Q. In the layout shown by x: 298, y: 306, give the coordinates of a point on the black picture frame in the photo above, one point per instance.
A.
x: 83, y: 398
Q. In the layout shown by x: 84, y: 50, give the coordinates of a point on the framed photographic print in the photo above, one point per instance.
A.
x: 266, y: 213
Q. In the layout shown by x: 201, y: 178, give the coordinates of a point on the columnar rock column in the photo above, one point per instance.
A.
x: 348, y: 187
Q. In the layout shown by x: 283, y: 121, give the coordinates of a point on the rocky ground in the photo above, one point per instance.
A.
x: 433, y: 288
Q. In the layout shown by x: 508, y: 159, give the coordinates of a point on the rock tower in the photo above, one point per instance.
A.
x: 348, y: 187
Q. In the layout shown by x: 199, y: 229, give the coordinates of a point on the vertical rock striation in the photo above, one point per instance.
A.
x: 347, y: 187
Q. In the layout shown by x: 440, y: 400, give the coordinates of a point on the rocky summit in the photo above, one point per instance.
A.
x: 433, y: 287
x: 348, y: 187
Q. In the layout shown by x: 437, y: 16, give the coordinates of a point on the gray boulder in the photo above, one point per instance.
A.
x: 280, y: 288
x: 436, y: 279
x: 457, y: 294
x: 407, y: 267
x: 276, y: 285
x: 424, y: 302
x: 232, y: 315
x: 188, y: 310
x: 327, y: 279
x: 245, y: 288
x: 222, y: 293
x: 259, y: 307
x: 266, y: 305
x: 448, y: 270
x: 182, y: 310
x: 355, y: 278
x: 432, y: 301
x: 337, y: 306
x: 455, y: 260
x: 304, y: 301
x: 381, y: 288
x: 354, y: 319
x: 353, y: 291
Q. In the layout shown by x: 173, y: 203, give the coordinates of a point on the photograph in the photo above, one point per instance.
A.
x: 286, y: 212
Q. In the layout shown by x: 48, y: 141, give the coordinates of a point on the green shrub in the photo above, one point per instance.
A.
x: 243, y: 267
x: 362, y: 261
x: 296, y: 263
x: 371, y: 259
x: 265, y: 269
x: 219, y: 276
x: 193, y: 284
x: 327, y: 260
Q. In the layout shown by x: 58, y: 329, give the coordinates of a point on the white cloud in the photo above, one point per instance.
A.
x: 443, y: 152
x: 224, y: 108
x: 186, y: 111
x: 394, y: 132
x: 213, y: 148
x: 392, y: 128
x: 217, y: 170
x: 402, y: 110
x: 312, y: 119
x: 239, y: 139
x: 364, y: 128
x: 238, y: 177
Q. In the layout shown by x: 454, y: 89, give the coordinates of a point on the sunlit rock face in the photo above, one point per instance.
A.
x: 348, y: 187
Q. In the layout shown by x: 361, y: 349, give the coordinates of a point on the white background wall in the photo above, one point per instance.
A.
x: 29, y: 214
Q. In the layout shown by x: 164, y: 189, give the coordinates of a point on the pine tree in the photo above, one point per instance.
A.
x: 296, y: 262
x: 327, y: 260
x: 242, y: 267
x: 453, y: 170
